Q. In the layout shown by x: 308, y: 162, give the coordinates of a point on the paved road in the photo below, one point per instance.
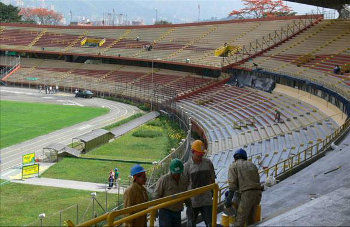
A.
x: 79, y: 185
x: 12, y: 156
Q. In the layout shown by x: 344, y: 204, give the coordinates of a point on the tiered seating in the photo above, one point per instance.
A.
x: 327, y: 44
x: 174, y: 43
x: 107, y: 78
x: 220, y: 110
x: 17, y: 37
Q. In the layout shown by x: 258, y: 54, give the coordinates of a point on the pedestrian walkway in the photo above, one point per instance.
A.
x: 121, y: 130
x: 71, y: 184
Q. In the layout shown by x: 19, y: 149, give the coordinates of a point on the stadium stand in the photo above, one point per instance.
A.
x: 233, y: 117
x: 171, y: 43
x: 323, y: 46
x: 106, y: 78
x: 228, y: 116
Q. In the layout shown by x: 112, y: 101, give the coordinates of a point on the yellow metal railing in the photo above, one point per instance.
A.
x: 152, y: 206
x: 306, y: 154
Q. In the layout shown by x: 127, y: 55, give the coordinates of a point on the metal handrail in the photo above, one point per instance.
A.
x: 306, y: 154
x: 152, y: 206
x: 273, y: 38
x: 162, y: 167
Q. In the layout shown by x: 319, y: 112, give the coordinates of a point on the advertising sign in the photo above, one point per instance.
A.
x: 30, y: 170
x: 28, y: 159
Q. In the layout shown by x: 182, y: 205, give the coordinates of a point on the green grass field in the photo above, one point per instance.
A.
x: 143, y: 147
x: 21, y: 204
x: 88, y: 170
x: 22, y: 121
x: 127, y: 147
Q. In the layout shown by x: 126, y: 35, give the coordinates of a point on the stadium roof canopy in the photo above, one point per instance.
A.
x: 332, y: 4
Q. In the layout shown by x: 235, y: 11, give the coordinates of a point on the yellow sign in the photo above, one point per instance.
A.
x: 30, y: 170
x: 28, y: 159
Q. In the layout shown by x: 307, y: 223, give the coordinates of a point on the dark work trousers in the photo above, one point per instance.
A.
x: 169, y: 218
x: 206, y: 212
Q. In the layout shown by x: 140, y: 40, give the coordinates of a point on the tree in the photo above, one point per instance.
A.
x: 262, y: 8
x: 41, y: 15
x: 9, y: 13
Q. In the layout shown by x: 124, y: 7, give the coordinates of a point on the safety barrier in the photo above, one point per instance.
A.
x: 162, y: 167
x: 152, y: 206
x: 284, y: 166
x: 10, y: 63
x: 334, y: 85
x: 272, y: 39
x: 305, y: 155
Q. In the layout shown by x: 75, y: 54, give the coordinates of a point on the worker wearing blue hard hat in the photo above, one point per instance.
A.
x: 136, y: 193
x: 244, y: 183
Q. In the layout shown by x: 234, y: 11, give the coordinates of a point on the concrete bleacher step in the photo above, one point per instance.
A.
x: 249, y: 137
x: 256, y: 135
x: 269, y: 131
x: 262, y: 132
x: 283, y: 126
x: 276, y: 128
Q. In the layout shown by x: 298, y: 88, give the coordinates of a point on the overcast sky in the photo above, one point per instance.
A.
x: 176, y: 11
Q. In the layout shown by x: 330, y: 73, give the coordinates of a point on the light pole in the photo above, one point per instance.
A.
x: 41, y: 217
x: 156, y: 15
x: 152, y: 87
x: 71, y: 16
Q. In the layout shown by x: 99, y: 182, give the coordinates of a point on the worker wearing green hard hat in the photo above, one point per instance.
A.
x: 172, y: 183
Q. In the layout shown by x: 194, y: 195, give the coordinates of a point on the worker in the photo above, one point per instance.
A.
x: 277, y: 116
x: 171, y: 184
x: 199, y: 172
x: 136, y: 193
x: 244, y: 179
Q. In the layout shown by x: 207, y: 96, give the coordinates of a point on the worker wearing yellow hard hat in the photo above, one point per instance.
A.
x: 199, y: 172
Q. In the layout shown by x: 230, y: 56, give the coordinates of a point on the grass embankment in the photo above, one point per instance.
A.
x: 88, y: 170
x: 150, y: 142
x: 21, y: 204
x: 21, y: 121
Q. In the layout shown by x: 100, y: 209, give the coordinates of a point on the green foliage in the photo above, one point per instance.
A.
x: 9, y: 13
x: 22, y: 121
x: 89, y: 170
x: 148, y: 132
x: 155, y: 122
x: 141, y: 106
x: 127, y: 147
x: 21, y: 204
x: 124, y: 121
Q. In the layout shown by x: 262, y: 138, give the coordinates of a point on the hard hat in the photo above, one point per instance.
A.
x: 240, y: 154
x: 198, y: 146
x: 176, y: 166
x: 116, y: 169
x: 136, y: 169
